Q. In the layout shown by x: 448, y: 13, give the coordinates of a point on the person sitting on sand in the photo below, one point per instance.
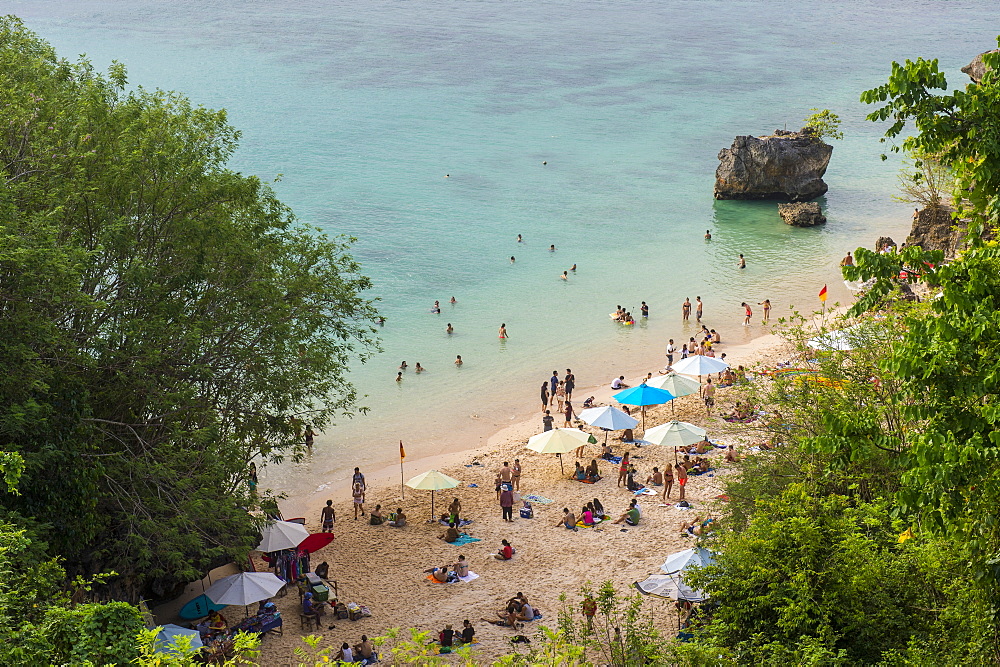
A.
x: 345, y: 654
x: 375, y: 518
x: 450, y: 535
x: 606, y: 452
x: 568, y: 520
x: 526, y: 612
x: 397, y: 518
x: 508, y: 618
x: 599, y: 510
x: 656, y: 479
x: 593, y: 473
x: 440, y: 574
x: 631, y: 515
x: 461, y: 567
x: 586, y: 516
x: 731, y: 455
x: 579, y: 474
x: 704, y: 445
x: 506, y: 551
x: 468, y: 632
x: 447, y: 636
x: 589, y: 403
x: 366, y: 651
x: 698, y: 527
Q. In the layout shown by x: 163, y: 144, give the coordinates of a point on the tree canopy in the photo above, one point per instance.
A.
x: 164, y: 320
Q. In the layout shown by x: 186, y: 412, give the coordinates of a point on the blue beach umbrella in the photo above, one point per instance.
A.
x: 643, y: 395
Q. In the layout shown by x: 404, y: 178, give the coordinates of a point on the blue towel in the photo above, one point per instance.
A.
x: 465, y: 539
x: 614, y: 459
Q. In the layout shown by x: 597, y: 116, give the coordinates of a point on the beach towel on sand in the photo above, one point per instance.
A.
x: 645, y: 491
x: 581, y: 524
x: 542, y: 500
x: 464, y: 538
x: 471, y: 576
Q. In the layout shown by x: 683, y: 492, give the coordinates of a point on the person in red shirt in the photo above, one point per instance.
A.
x: 506, y: 551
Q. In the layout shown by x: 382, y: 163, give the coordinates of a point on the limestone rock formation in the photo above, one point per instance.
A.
x: 784, y: 166
x: 977, y: 68
x: 933, y: 229
x: 802, y: 214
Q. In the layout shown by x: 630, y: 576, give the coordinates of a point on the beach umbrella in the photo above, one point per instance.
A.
x: 432, y: 481
x: 167, y: 635
x: 682, y: 560
x: 700, y: 365
x: 244, y: 588
x: 199, y: 608
x: 279, y: 535
x: 669, y: 586
x: 840, y: 340
x: 678, y: 385
x: 558, y: 441
x: 609, y: 418
x: 675, y: 434
x: 315, y: 542
x: 643, y: 395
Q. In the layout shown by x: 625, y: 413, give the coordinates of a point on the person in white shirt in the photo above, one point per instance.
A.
x: 619, y: 383
x: 670, y: 352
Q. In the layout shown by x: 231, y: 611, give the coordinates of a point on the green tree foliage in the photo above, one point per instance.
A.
x: 824, y: 124
x: 164, y: 320
x: 961, y: 127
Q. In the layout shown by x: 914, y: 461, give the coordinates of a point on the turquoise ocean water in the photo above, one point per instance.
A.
x: 364, y: 108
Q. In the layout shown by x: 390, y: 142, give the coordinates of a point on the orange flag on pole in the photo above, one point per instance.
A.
x: 402, y: 452
x: 822, y: 294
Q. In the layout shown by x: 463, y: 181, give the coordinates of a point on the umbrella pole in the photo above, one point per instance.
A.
x: 561, y: 469
x: 432, y: 505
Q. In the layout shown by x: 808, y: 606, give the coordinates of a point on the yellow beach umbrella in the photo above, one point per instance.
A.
x: 558, y: 441
x: 432, y: 481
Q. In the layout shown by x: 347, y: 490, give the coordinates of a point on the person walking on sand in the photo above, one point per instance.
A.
x: 570, y: 383
x: 547, y: 421
x: 668, y: 481
x: 507, y: 502
x: 502, y: 333
x: 589, y: 611
x: 748, y: 314
x: 358, y: 491
x: 569, y: 413
x: 359, y: 478
x: 506, y: 474
x: 516, y: 474
x: 553, y: 383
x: 766, y: 303
x: 686, y: 309
x: 544, y: 393
x: 623, y: 469
x: 328, y: 516
x: 708, y: 395
x: 699, y: 307
x: 741, y: 263
x: 682, y: 480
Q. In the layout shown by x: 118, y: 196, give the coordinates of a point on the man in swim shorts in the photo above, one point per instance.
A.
x: 708, y: 395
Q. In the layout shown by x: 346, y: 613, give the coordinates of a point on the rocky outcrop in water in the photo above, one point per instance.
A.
x: 802, y: 214
x: 784, y: 166
x: 977, y: 68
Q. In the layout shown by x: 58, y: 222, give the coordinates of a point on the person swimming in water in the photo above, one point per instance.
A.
x: 552, y: 248
x: 453, y: 300
x: 519, y: 239
x: 399, y: 376
x: 512, y: 259
x: 437, y: 307
x: 458, y: 360
x: 450, y: 328
x: 503, y: 331
x: 420, y: 369
x: 565, y: 275
x: 402, y: 366
x: 708, y: 235
x: 573, y: 268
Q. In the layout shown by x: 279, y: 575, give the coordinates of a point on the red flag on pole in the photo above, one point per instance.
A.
x: 402, y: 452
x: 822, y: 294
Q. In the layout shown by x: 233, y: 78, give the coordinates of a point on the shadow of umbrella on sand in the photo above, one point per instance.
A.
x: 432, y: 481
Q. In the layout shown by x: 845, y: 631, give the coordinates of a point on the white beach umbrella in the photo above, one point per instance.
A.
x: 558, y: 441
x: 678, y: 385
x: 682, y: 560
x: 244, y: 588
x: 280, y: 535
x: 841, y: 339
x: 432, y: 481
x: 167, y: 635
x: 700, y: 365
x: 609, y: 418
x: 669, y: 586
x: 675, y: 434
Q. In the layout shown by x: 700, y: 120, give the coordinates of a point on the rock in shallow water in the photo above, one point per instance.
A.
x: 802, y: 214
x: 785, y: 166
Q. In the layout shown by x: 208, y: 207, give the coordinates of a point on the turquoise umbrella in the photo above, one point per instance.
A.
x: 643, y: 395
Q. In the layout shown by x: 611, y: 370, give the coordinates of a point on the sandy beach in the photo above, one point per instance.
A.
x: 383, y: 568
